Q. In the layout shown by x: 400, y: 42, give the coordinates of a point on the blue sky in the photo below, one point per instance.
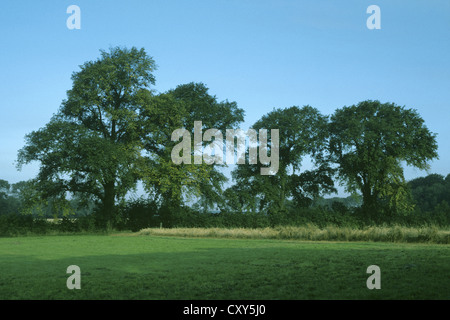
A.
x: 263, y: 54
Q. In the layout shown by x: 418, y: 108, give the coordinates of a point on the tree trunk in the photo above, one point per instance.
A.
x: 282, y: 199
x: 109, y: 203
x: 369, y: 201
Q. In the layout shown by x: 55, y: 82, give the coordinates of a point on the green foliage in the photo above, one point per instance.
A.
x: 139, y: 214
x: 8, y: 203
x: 4, y: 188
x: 113, y: 131
x: 14, y: 224
x: 430, y: 191
x: 92, y: 144
x: 369, y: 141
x: 441, y: 214
x: 147, y: 212
x: 302, y: 133
x: 175, y: 109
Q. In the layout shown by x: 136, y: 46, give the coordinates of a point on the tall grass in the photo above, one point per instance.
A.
x: 426, y: 234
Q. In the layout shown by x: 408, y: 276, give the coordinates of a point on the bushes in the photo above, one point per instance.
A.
x: 16, y: 224
x: 188, y: 218
x: 12, y: 225
x: 140, y: 214
x: 320, y: 216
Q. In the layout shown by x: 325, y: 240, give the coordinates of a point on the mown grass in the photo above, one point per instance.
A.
x: 426, y: 234
x: 160, y: 267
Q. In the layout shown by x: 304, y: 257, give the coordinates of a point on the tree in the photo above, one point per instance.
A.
x: 4, y: 189
x: 92, y: 145
x: 430, y: 191
x: 302, y: 133
x: 369, y: 141
x: 180, y: 108
x: 239, y: 198
x: 9, y: 198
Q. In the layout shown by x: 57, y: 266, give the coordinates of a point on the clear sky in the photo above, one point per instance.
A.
x: 263, y: 54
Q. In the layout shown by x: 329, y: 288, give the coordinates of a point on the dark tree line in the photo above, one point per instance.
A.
x: 430, y: 198
x: 430, y: 192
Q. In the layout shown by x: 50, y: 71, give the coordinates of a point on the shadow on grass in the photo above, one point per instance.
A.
x: 284, y: 273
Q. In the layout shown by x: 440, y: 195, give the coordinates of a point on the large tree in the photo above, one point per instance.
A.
x: 370, y: 141
x: 302, y: 134
x: 180, y: 108
x: 92, y: 144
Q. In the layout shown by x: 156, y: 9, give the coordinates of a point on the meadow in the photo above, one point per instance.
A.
x: 392, y: 233
x: 146, y: 266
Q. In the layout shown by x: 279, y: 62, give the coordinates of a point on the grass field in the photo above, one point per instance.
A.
x: 136, y: 266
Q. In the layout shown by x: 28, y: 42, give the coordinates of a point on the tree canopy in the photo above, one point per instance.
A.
x: 113, y: 130
x: 175, y: 109
x: 302, y: 133
x: 91, y: 145
x: 370, y: 141
x: 430, y: 191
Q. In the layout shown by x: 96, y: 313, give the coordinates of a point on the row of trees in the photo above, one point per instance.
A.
x: 114, y: 131
x: 430, y: 197
x: 16, y: 198
x: 364, y: 146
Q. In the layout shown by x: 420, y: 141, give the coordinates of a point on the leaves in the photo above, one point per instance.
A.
x: 370, y: 140
x: 94, y: 139
x: 302, y: 132
x: 113, y: 130
x: 175, y: 109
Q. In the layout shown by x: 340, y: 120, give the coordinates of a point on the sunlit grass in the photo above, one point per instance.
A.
x: 133, y: 266
x: 429, y: 234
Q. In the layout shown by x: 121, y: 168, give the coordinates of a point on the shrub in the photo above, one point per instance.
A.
x: 68, y: 225
x: 139, y: 214
x: 18, y: 224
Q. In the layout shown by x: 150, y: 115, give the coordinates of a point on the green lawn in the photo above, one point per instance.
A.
x: 155, y: 267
